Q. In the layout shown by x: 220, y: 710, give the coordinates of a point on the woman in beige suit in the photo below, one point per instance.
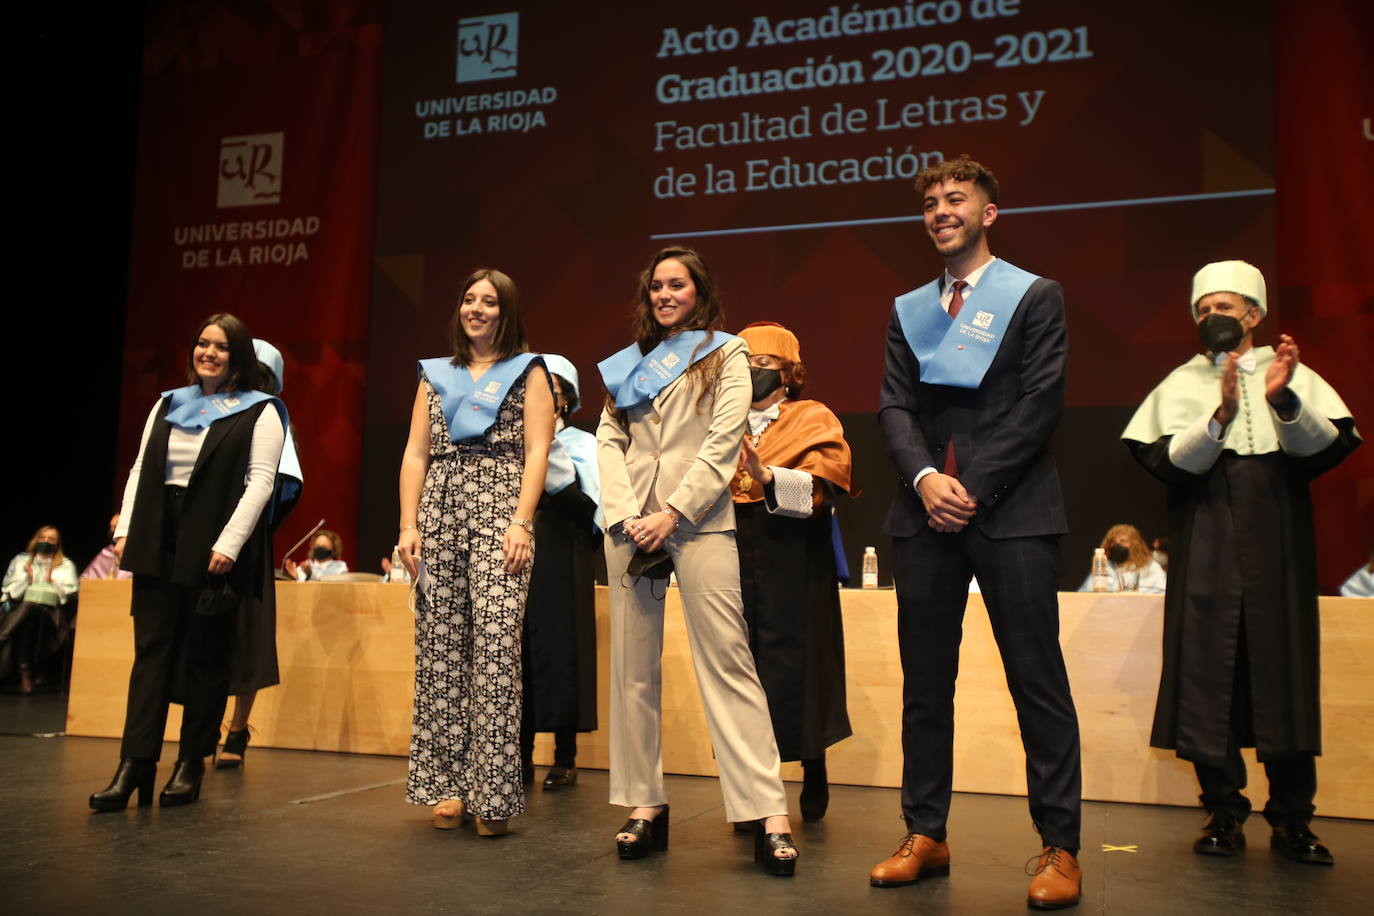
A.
x: 667, y: 446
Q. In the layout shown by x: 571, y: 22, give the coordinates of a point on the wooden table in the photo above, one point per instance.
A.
x: 346, y: 652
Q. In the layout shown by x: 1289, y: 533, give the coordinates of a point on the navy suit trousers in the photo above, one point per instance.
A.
x: 1020, y: 588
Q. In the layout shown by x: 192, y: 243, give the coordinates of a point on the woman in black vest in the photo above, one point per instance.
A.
x: 192, y: 532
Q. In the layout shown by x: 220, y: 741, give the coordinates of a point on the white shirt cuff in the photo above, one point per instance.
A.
x: 1305, y: 434
x: 793, y: 491
x: 1196, y: 449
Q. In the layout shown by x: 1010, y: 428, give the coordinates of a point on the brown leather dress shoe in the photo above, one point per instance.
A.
x: 1057, y: 880
x: 918, y: 857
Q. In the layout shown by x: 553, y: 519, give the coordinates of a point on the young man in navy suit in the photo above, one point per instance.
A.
x: 972, y: 392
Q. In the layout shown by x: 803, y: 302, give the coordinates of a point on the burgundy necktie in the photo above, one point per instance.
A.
x: 956, y: 302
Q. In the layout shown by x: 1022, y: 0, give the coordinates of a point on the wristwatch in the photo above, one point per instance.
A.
x: 523, y: 523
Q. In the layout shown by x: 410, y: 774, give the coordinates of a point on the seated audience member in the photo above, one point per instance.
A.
x: 1127, y: 553
x: 38, y: 585
x: 106, y: 564
x: 1159, y: 549
x: 1361, y: 581
x: 324, y: 559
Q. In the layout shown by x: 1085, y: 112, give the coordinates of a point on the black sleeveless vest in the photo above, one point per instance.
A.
x: 216, y: 485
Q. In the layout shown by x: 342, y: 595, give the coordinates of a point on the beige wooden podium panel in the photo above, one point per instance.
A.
x: 346, y: 654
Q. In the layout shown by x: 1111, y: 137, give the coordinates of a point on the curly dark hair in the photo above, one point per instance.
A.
x: 960, y: 169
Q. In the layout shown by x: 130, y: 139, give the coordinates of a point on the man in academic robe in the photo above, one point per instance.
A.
x: 1236, y: 434
x: 973, y: 389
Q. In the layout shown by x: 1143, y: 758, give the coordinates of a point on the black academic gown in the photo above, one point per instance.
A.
x: 560, y: 615
x: 1242, y: 555
x: 796, y: 632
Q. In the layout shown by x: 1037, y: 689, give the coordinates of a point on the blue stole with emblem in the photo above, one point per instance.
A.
x: 957, y: 352
x: 638, y: 378
x: 572, y: 456
x: 191, y: 409
x: 470, y: 407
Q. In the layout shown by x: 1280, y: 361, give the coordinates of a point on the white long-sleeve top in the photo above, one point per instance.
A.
x: 183, y: 448
x: 61, y: 577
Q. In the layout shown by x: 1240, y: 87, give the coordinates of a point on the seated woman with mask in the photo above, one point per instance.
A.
x: 1129, y: 560
x: 325, y: 559
x: 38, y: 584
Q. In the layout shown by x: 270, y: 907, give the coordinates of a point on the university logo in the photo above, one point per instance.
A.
x: 983, y: 320
x: 493, y: 387
x: 250, y: 170
x: 487, y: 47
x: 671, y: 360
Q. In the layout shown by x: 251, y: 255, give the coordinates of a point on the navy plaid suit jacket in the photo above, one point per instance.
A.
x: 1001, y: 430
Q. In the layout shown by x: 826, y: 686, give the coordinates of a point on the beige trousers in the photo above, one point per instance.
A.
x: 707, y: 567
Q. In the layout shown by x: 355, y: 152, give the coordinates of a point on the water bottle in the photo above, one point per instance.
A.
x: 870, y: 579
x: 1101, y: 577
x: 398, y: 571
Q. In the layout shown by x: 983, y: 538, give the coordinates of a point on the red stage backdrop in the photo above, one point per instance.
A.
x: 1324, y: 114
x: 564, y: 147
x: 254, y: 195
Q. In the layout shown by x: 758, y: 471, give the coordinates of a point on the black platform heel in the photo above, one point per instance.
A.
x: 235, y: 742
x: 132, y: 774
x: 649, y: 835
x: 184, y: 786
x: 766, y: 846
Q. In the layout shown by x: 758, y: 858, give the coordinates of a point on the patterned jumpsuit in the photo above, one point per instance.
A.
x: 465, y: 741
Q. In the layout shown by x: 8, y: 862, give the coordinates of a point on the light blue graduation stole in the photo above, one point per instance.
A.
x: 638, y: 378
x: 572, y: 456
x: 470, y: 407
x: 191, y: 409
x: 957, y: 352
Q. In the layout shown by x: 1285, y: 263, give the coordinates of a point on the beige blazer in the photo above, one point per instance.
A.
x: 679, y: 448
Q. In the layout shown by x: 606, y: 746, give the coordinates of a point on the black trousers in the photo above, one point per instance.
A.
x: 1019, y: 583
x: 180, y: 656
x: 1292, y: 777
x: 564, y: 743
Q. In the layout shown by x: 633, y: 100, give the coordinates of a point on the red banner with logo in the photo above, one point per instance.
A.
x: 254, y: 195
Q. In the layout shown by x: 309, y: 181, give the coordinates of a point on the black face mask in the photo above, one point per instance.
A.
x: 1220, y: 333
x: 44, y: 547
x: 1118, y: 554
x: 322, y: 553
x: 766, y: 381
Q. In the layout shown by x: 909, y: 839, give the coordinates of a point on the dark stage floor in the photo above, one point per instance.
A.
x: 304, y: 833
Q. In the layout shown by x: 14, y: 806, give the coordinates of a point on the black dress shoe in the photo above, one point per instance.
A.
x: 815, y: 793
x: 184, y: 786
x: 1297, y: 842
x: 560, y: 778
x: 1221, y: 837
x: 132, y: 774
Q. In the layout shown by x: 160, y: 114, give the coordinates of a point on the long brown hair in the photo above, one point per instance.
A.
x: 1140, y: 551
x: 58, y: 556
x: 243, y: 362
x: 706, y: 316
x: 510, y: 328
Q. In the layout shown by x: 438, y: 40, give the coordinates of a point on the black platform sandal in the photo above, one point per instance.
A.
x: 766, y: 849
x: 235, y: 742
x: 649, y: 835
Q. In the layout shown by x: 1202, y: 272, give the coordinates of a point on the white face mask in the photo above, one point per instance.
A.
x: 1160, y: 558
